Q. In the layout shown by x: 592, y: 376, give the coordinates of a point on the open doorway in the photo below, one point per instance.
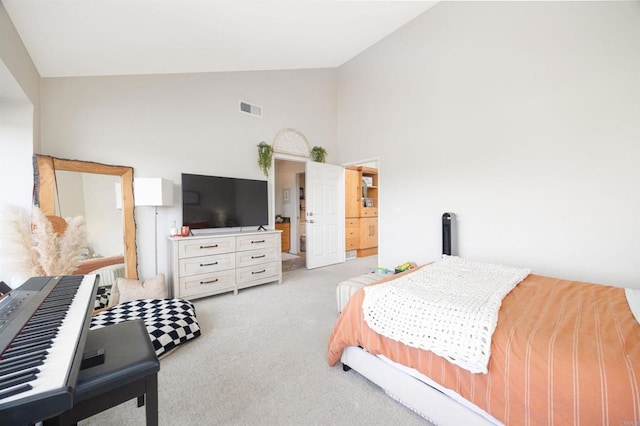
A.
x: 323, y: 201
x: 288, y: 202
x: 361, y: 208
x: 289, y: 206
x: 309, y: 209
x: 302, y: 206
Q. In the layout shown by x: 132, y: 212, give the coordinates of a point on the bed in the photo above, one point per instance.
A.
x: 563, y: 352
x: 109, y: 269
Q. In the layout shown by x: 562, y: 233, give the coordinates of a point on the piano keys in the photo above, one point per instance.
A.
x: 43, y: 327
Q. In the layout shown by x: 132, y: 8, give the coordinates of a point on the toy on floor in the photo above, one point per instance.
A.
x: 383, y: 271
x: 405, y: 267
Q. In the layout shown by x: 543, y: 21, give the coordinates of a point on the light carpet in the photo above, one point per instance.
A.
x: 289, y: 256
x: 261, y: 359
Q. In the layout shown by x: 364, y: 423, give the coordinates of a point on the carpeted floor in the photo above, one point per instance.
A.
x: 261, y: 360
x: 293, y: 261
x: 289, y: 256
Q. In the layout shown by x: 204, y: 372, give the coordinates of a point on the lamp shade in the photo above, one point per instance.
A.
x: 153, y: 192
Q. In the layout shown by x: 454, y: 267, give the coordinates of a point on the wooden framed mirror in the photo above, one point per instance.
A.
x: 45, y: 181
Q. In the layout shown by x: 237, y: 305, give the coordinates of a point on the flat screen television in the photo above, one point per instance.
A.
x: 223, y: 202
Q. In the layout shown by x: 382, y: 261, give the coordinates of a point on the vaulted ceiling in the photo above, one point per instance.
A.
x: 121, y: 37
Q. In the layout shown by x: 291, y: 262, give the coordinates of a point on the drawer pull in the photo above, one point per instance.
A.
x: 259, y: 257
x: 209, y: 264
x: 206, y: 247
x: 209, y: 282
x: 257, y: 241
x: 258, y: 272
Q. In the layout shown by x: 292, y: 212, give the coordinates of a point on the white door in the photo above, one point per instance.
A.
x: 324, y: 193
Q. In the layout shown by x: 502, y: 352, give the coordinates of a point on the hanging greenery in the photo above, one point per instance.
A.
x: 265, y: 157
x: 318, y: 154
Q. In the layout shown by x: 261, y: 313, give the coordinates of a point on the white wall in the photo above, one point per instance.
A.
x: 70, y: 194
x: 22, y: 71
x: 93, y: 197
x: 16, y: 150
x: 16, y: 178
x: 19, y: 123
x: 520, y: 117
x: 164, y: 125
x: 102, y: 216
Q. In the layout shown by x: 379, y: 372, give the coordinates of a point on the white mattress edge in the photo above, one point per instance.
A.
x: 633, y: 299
x: 450, y: 393
x: 430, y: 403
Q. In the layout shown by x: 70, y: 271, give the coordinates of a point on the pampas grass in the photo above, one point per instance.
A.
x: 44, y: 242
x: 70, y: 244
x: 32, y: 248
x: 18, y: 253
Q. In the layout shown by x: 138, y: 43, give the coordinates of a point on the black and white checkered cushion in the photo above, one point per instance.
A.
x: 102, y: 298
x: 168, y: 321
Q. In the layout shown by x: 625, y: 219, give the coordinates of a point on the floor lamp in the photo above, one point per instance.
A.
x: 156, y: 192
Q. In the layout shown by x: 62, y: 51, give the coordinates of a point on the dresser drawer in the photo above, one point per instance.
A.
x: 256, y: 257
x: 264, y: 273
x: 351, y: 223
x: 206, y: 246
x: 368, y: 211
x: 351, y: 243
x: 202, y: 266
x: 351, y: 233
x: 206, y: 264
x: 257, y: 241
x: 217, y: 282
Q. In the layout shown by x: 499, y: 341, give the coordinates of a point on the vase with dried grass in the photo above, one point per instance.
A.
x: 35, y: 245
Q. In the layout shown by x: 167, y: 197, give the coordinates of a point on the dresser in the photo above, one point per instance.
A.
x: 218, y: 263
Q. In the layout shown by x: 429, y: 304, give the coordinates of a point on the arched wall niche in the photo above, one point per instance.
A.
x: 291, y: 142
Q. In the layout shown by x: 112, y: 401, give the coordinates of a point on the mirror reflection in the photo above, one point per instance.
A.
x: 93, y: 196
x: 103, y: 195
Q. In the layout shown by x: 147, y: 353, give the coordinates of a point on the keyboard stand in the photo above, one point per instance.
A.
x: 130, y: 370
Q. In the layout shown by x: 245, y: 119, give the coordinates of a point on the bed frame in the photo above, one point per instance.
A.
x: 404, y: 385
x: 421, y: 398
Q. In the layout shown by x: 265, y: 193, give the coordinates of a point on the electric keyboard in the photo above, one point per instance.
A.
x: 43, y: 328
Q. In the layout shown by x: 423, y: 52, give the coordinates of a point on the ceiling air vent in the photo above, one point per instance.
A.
x: 247, y: 108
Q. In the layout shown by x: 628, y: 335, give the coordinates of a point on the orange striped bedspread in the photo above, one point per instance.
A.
x: 563, y: 352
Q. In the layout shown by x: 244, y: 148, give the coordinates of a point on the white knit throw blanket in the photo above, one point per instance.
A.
x: 449, y: 308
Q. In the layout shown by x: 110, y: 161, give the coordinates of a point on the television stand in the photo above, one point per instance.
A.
x: 212, y: 264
